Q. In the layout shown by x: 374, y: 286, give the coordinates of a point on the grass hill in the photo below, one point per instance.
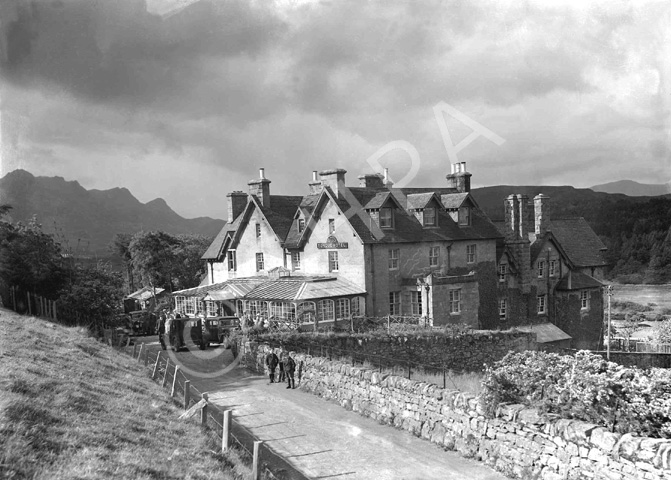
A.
x: 634, y: 189
x: 72, y: 407
x: 87, y: 220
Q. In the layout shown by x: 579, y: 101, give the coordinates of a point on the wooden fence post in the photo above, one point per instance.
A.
x: 158, y: 358
x: 28, y: 297
x: 203, y: 412
x: 226, y: 432
x: 139, y: 355
x: 165, y: 372
x: 187, y: 394
x: 256, y: 471
x: 134, y: 347
x: 174, y: 381
x: 146, y: 356
x: 55, y: 312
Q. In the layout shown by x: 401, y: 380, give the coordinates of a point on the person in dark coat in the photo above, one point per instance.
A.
x: 281, y: 365
x: 160, y: 329
x: 289, y: 369
x: 271, y: 363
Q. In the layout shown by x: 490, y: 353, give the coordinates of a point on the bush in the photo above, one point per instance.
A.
x: 584, y: 387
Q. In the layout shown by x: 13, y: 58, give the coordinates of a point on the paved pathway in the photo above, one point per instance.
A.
x: 322, y: 439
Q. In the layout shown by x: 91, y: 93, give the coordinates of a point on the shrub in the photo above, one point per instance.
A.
x: 583, y: 387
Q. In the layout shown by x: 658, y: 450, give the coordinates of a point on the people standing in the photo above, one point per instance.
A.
x: 160, y: 328
x: 271, y: 363
x: 289, y: 369
x: 281, y: 365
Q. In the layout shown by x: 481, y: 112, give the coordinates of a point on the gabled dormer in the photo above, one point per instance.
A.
x: 383, y: 208
x: 460, y: 206
x: 425, y: 208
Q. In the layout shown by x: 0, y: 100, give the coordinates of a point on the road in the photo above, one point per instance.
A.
x: 320, y: 438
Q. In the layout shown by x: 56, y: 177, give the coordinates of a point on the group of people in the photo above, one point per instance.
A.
x: 286, y: 364
x: 163, y: 325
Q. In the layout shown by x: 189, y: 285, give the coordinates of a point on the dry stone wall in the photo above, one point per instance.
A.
x: 519, y: 442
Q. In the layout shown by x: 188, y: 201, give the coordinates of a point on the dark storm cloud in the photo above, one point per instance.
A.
x: 117, y: 52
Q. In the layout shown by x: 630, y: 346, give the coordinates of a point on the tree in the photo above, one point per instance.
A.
x: 662, y: 334
x: 93, y: 298
x: 121, y: 246
x: 30, y: 259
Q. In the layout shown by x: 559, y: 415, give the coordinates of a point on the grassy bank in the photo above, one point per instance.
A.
x: 71, y: 407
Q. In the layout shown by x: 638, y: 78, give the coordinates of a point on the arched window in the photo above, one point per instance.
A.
x: 342, y: 308
x: 306, y: 312
x: 325, y: 311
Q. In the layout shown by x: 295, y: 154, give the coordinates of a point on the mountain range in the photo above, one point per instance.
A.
x: 634, y: 189
x: 85, y: 221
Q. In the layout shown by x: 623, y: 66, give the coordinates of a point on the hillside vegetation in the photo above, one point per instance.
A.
x: 636, y: 230
x: 71, y: 407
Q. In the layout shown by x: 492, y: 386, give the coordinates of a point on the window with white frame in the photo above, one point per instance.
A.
x: 434, y: 256
x: 211, y: 308
x: 394, y: 303
x: 584, y: 300
x: 542, y: 304
x: 503, y: 271
x: 232, y: 261
x: 325, y: 310
x: 333, y: 261
x: 454, y: 299
x: 503, y: 309
x: 415, y: 303
x: 258, y: 230
x: 180, y: 304
x: 306, y: 311
x: 259, y: 262
x: 470, y: 253
x: 342, y: 309
x: 541, y: 268
x: 358, y: 306
x: 283, y: 311
x: 331, y: 226
x: 553, y: 268
x: 190, y: 306
x: 296, y: 260
x: 393, y: 258
x: 429, y: 217
x: 386, y: 218
x: 301, y: 225
x: 464, y: 216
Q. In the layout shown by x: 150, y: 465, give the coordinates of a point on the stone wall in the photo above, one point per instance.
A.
x: 468, y: 352
x: 517, y: 442
x: 639, y: 359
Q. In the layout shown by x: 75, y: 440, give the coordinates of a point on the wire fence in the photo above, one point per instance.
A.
x: 266, y: 463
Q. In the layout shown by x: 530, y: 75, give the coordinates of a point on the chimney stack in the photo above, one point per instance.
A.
x: 334, y: 179
x: 371, y: 180
x: 315, y: 185
x: 512, y: 215
x: 541, y: 217
x: 261, y: 188
x: 387, y: 182
x: 237, y: 201
x: 458, y: 178
x: 523, y: 202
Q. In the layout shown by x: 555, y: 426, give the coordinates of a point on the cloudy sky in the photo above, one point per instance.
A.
x: 185, y: 100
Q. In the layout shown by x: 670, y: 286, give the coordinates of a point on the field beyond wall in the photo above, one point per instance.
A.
x: 71, y: 407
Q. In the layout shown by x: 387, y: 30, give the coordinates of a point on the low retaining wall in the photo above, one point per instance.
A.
x: 518, y: 442
x: 468, y: 352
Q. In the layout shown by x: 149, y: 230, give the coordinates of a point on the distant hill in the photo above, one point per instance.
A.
x: 633, y: 189
x: 87, y: 220
x: 636, y: 230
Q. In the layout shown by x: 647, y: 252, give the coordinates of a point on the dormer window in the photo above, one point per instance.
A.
x: 429, y: 217
x: 386, y: 218
x: 464, y: 215
x: 301, y: 225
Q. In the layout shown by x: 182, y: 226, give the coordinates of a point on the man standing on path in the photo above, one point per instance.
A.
x: 271, y: 363
x: 160, y: 328
x: 289, y: 368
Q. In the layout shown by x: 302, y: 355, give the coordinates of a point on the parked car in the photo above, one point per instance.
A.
x: 186, y: 333
x: 218, y: 328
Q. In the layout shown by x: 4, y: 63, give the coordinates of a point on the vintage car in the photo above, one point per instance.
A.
x: 186, y: 333
x: 218, y: 328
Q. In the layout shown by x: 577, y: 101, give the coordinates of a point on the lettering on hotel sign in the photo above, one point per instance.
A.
x: 332, y: 243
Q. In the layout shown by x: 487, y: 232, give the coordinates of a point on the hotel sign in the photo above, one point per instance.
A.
x: 332, y: 243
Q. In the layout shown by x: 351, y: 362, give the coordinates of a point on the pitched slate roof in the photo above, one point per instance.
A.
x: 583, y: 247
x: 239, y: 285
x: 416, y: 201
x: 280, y: 213
x: 214, y: 250
x: 145, y: 293
x: 304, y: 288
x: 576, y: 280
x: 452, y: 201
x: 546, y: 332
